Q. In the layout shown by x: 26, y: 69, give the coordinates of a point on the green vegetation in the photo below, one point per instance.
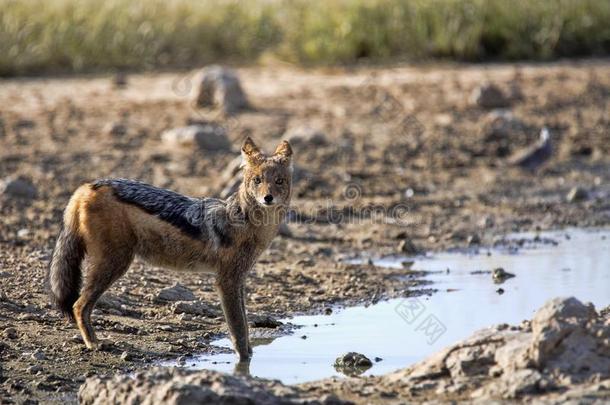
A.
x: 85, y: 35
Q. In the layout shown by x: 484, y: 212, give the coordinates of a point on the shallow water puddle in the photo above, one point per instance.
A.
x: 403, y: 331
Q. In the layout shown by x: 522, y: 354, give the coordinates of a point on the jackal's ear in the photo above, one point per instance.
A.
x: 249, y: 151
x: 283, y: 150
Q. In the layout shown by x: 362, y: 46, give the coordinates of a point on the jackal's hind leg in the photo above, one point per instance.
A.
x: 100, y: 274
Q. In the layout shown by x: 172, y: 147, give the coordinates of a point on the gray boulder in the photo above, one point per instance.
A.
x: 220, y: 87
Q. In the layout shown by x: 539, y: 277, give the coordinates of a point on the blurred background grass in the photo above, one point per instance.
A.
x: 62, y: 36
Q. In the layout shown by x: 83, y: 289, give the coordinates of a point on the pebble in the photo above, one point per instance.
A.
x: 10, y: 333
x: 499, y: 275
x: 489, y: 96
x: 34, y: 369
x: 577, y: 194
x: 406, y: 246
x: 125, y: 356
x: 20, y: 188
x: 474, y: 240
x: 38, y: 355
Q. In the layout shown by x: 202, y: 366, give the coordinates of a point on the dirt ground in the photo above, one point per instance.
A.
x: 406, y: 162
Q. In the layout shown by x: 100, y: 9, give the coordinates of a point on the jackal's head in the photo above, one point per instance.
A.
x: 267, y: 179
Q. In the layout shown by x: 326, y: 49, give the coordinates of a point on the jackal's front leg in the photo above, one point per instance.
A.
x: 231, y: 297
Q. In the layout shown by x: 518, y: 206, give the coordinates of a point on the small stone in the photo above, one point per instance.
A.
x: 284, y: 230
x: 264, y: 321
x: 38, y: 355
x: 352, y: 363
x: 328, y: 311
x: 177, y: 292
x: 23, y: 233
x: 20, y: 188
x: 486, y: 222
x: 125, y: 356
x: 119, y: 80
x: 198, y: 308
x: 208, y: 137
x: 406, y: 246
x: 489, y: 96
x: 474, y: 240
x: 115, y: 129
x: 34, y: 369
x: 10, y: 333
x: 500, y: 291
x: 577, y: 194
x: 305, y: 136
x: 499, y: 275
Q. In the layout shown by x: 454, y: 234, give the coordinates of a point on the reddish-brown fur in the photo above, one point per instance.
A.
x: 112, y: 233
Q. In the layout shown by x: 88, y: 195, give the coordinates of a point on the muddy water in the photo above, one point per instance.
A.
x: 401, y: 332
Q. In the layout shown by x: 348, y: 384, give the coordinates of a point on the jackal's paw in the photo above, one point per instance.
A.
x: 92, y: 346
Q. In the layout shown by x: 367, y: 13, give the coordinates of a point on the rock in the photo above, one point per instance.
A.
x: 209, y: 138
x: 577, y: 194
x: 119, y: 80
x: 284, y: 230
x: 473, y: 240
x: 220, y: 87
x: 198, y: 307
x: 500, y: 275
x: 10, y: 333
x: 352, y: 363
x: 19, y: 188
x: 499, y: 132
x: 125, y: 356
x: 561, y: 340
x: 407, y: 247
x: 38, y: 355
x: 177, y: 292
x: 34, y: 369
x: 531, y: 158
x: 567, y: 343
x: 489, y: 96
x: 115, y: 129
x: 111, y: 302
x: 179, y: 386
x: 23, y: 233
x: 500, y: 291
x: 264, y: 321
x: 300, y: 137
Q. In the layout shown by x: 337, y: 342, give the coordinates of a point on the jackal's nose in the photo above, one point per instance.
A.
x: 268, y: 198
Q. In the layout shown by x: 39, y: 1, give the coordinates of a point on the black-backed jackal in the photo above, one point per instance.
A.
x: 109, y: 222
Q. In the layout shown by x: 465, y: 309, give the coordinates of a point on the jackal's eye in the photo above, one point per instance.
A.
x: 257, y: 180
x: 279, y: 181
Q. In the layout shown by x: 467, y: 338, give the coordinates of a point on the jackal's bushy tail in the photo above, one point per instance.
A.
x: 64, y: 278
